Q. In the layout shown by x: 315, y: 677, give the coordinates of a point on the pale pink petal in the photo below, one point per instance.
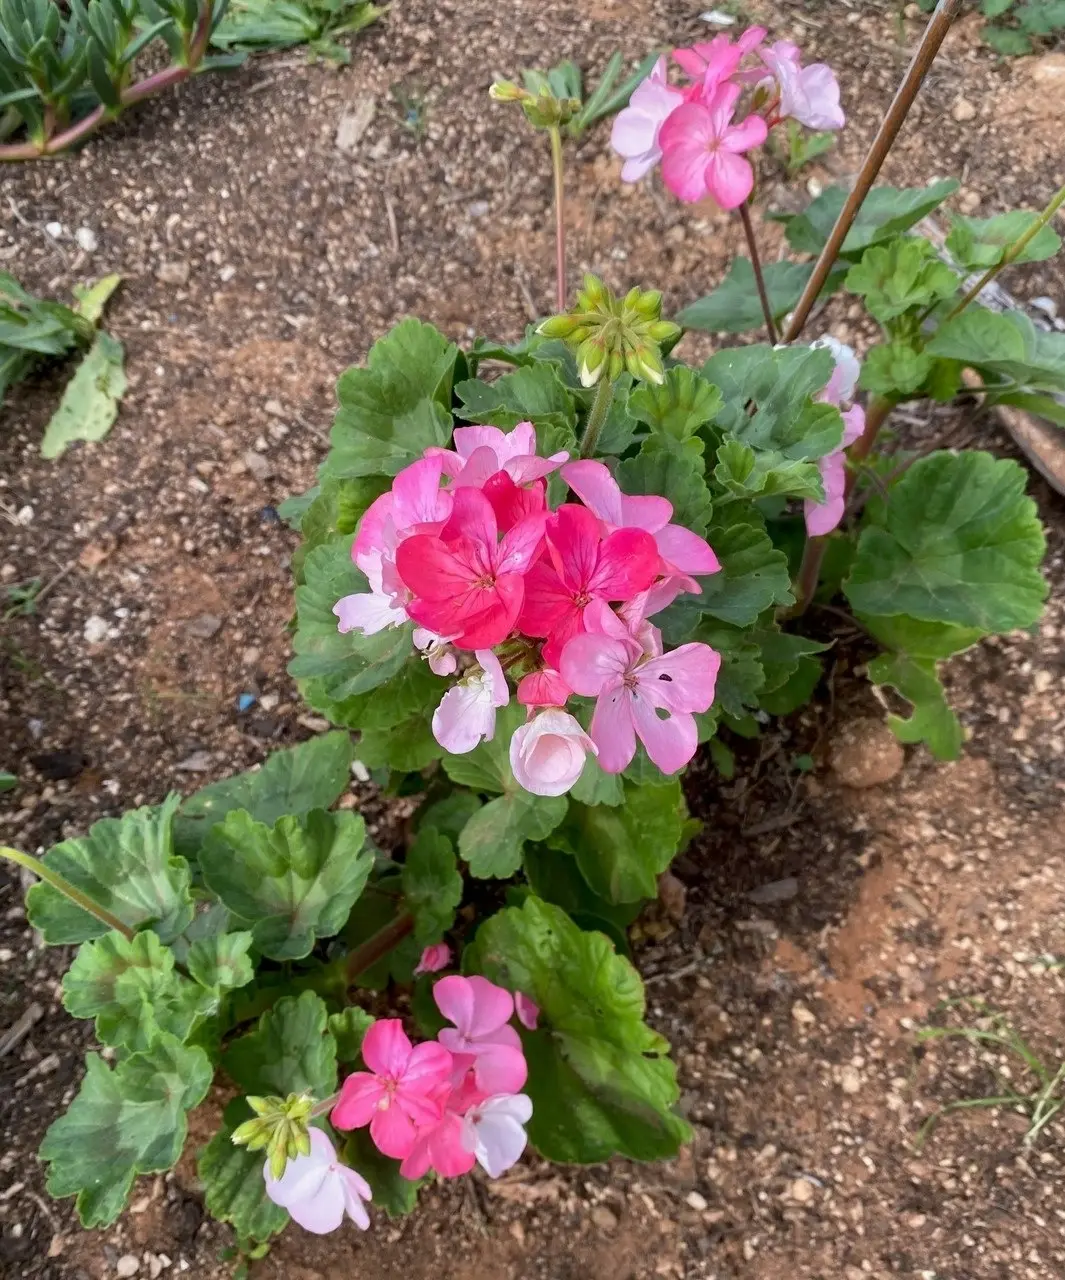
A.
x: 417, y: 496
x: 601, y: 619
x: 368, y: 612
x: 496, y: 1131
x: 670, y: 742
x: 359, y: 1098
x: 322, y: 1210
x: 634, y: 131
x: 481, y: 465
x: 647, y: 603
x: 455, y: 999
x: 685, y: 551
x: 467, y: 439
x: 729, y: 179
x: 303, y: 1175
x: 356, y: 1190
x: 682, y: 680
x: 637, y: 168
x: 500, y: 1069
x: 844, y: 381
x: 591, y: 663
x: 493, y: 1007
x: 433, y: 959
x: 820, y: 88
x: 853, y: 424
x: 547, y: 754
x: 466, y: 714
x: 597, y: 489
x: 749, y: 133
x: 386, y: 1049
x: 684, y: 167
x: 371, y: 527
x: 498, y: 690
x: 521, y: 544
x: 823, y: 517
x: 612, y: 729
x: 527, y: 1010
x: 645, y: 511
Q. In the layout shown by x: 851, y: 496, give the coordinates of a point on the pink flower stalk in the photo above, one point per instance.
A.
x: 702, y: 149
x: 714, y: 61
x: 634, y: 135
x: 467, y: 712
x: 433, y: 959
x: 583, y: 567
x: 547, y: 754
x: 415, y: 503
x: 526, y: 1010
x: 400, y: 1093
x: 480, y: 452
x: 544, y: 688
x: 822, y: 517
x: 481, y: 1038
x: 682, y: 552
x: 318, y: 1190
x: 807, y: 94
x: 632, y: 687
x: 466, y: 582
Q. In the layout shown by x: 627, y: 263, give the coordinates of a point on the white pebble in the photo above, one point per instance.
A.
x: 128, y: 1265
x: 86, y: 239
x: 95, y: 629
x: 54, y: 229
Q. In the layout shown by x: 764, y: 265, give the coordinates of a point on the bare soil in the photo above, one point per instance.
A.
x: 822, y: 923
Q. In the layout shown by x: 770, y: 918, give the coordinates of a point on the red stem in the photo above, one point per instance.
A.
x: 146, y: 88
x: 380, y: 944
x: 756, y: 266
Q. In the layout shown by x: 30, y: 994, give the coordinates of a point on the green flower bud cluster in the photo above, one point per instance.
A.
x: 543, y: 109
x: 280, y: 1125
x: 611, y: 335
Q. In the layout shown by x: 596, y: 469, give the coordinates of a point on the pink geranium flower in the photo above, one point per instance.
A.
x: 466, y: 582
x: 682, y: 552
x: 318, y: 1190
x: 547, y: 754
x: 479, y: 452
x: 544, y: 688
x: 703, y: 150
x: 481, y: 1038
x: 582, y: 567
x: 467, y: 712
x: 415, y: 503
x: 487, y: 1131
x: 433, y: 959
x: 807, y: 94
x: 632, y: 688
x: 400, y: 1093
x: 823, y: 517
x: 713, y: 61
x: 527, y: 1011
x: 634, y: 135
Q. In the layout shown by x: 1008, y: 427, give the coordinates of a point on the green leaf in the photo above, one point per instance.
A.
x: 122, y: 1123
x: 885, y: 212
x: 957, y: 542
x: 335, y: 511
x: 533, y: 393
x: 89, y: 405
x: 978, y: 243
x: 657, y: 469
x: 894, y: 370
x: 291, y: 1051
x: 333, y: 666
x: 781, y: 383
x: 396, y: 407
x: 93, y: 298
x: 901, y: 276
x: 996, y: 8
x: 295, y: 780
x: 741, y: 678
x: 747, y: 474
x: 126, y: 865
x: 432, y: 885
x: 293, y: 510
x: 622, y: 851
x: 392, y: 1192
x: 292, y: 883
x: 1004, y: 345
x: 918, y: 639
x: 595, y: 786
x: 555, y: 877
x: 932, y: 721
x: 133, y: 991
x: 349, y: 1029
x: 449, y: 815
x: 221, y: 962
x: 599, y: 1078
x: 1007, y: 41
x: 679, y: 406
x: 734, y: 306
x: 233, y: 1183
x: 487, y: 767
x: 493, y: 839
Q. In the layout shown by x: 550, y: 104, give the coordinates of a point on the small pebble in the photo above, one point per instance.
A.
x: 95, y: 629
x: 128, y: 1265
x: 963, y: 110
x: 605, y: 1219
x: 695, y: 1201
x: 802, y: 1191
x: 85, y: 239
x: 849, y: 1080
x: 54, y: 229
x: 802, y: 1015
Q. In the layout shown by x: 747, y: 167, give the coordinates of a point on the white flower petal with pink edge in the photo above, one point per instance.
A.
x: 368, y: 612
x: 467, y: 712
x: 317, y: 1189
x: 494, y: 1130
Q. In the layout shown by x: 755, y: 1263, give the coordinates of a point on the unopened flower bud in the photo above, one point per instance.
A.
x: 506, y: 91
x: 563, y: 326
x: 649, y: 304
x: 617, y: 365
x: 280, y: 1125
x: 664, y: 331
x: 591, y: 357
x: 594, y: 294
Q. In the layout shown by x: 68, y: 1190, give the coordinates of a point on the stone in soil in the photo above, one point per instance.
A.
x: 866, y: 753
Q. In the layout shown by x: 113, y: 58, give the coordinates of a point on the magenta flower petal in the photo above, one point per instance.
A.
x: 386, y: 1050
x: 729, y: 179
x: 359, y: 1097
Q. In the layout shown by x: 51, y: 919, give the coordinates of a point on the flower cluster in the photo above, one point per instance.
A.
x: 692, y: 129
x: 442, y: 1105
x: 466, y: 546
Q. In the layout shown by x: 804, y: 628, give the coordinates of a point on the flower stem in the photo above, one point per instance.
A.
x: 560, y: 219
x: 604, y: 393
x: 931, y: 42
x: 378, y: 945
x: 45, y: 873
x: 806, y: 583
x: 756, y: 264
x: 1011, y: 253
x: 325, y: 1106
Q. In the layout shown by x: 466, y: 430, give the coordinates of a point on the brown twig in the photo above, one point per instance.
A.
x: 380, y: 944
x: 756, y: 265
x: 931, y: 42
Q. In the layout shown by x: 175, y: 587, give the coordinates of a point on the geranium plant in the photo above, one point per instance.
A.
x: 532, y: 594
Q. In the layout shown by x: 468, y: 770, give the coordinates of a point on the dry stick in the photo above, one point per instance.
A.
x: 146, y: 88
x: 560, y: 220
x: 879, y: 409
x: 931, y: 42
x: 756, y: 264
